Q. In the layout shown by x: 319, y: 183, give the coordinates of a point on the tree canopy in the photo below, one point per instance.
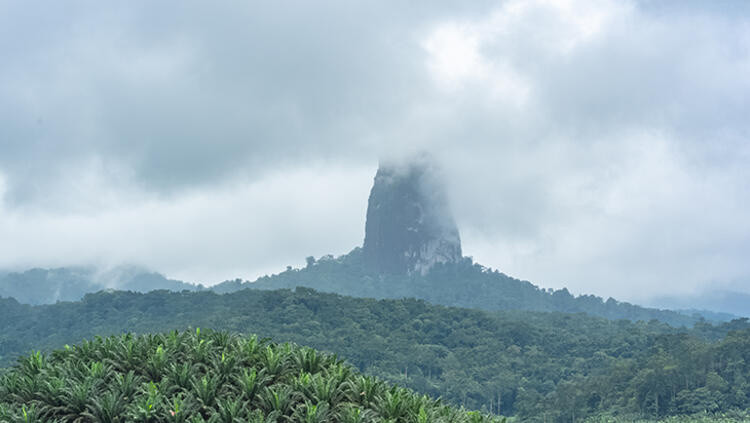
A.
x: 204, y: 376
x: 551, y: 366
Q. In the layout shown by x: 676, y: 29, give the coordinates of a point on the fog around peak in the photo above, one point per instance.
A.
x: 598, y: 145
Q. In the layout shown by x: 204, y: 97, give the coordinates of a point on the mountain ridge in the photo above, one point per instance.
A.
x: 412, y: 248
x: 481, y: 288
x: 47, y: 286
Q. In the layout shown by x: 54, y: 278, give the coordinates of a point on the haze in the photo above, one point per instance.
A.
x: 598, y: 145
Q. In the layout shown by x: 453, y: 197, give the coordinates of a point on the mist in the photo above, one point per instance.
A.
x: 596, y: 145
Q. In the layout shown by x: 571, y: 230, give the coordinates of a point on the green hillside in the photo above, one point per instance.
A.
x: 537, y: 366
x: 461, y: 284
x: 205, y: 377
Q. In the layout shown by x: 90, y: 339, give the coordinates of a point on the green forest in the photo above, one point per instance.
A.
x: 533, y: 366
x: 479, y: 287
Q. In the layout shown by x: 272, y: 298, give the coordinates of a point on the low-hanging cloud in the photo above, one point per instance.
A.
x: 242, y: 228
x: 600, y: 145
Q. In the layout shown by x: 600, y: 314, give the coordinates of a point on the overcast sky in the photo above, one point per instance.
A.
x: 595, y: 144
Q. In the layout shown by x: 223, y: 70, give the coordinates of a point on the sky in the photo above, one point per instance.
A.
x: 600, y: 145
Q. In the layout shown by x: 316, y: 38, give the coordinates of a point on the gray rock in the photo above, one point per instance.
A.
x: 409, y: 225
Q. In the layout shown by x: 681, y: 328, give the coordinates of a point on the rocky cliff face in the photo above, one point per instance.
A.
x: 409, y: 225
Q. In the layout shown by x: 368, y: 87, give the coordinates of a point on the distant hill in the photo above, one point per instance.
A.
x: 47, y: 286
x: 718, y: 301
x: 462, y: 284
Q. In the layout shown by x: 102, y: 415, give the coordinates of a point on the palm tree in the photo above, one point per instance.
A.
x: 205, y: 376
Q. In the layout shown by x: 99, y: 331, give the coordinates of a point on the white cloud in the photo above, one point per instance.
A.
x: 456, y: 61
x: 238, y: 229
x: 454, y: 54
x: 596, y: 144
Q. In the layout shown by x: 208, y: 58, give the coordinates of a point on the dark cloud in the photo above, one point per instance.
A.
x: 596, y: 144
x: 191, y: 94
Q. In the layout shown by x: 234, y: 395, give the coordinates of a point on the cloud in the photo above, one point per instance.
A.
x: 233, y: 230
x: 614, y: 163
x: 600, y: 145
x: 182, y: 99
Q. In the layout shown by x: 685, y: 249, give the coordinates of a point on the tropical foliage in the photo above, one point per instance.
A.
x: 550, y: 366
x: 205, y: 376
x: 462, y: 284
x: 736, y: 417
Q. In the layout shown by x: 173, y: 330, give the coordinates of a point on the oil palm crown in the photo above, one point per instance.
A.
x: 204, y: 376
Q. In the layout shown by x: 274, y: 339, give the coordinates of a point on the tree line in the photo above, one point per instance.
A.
x: 537, y: 366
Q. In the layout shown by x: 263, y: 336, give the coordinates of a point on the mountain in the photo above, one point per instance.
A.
x: 412, y: 249
x: 47, y: 286
x: 462, y: 284
x: 719, y: 302
x: 43, y: 286
x: 409, y: 226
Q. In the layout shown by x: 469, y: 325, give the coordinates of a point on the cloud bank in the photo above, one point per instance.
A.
x: 599, y: 145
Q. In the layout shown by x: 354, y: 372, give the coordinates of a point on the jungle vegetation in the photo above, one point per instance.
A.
x: 533, y: 365
x: 204, y: 376
x: 461, y: 284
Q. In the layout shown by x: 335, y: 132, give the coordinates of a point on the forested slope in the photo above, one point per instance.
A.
x: 461, y: 284
x: 534, y: 365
